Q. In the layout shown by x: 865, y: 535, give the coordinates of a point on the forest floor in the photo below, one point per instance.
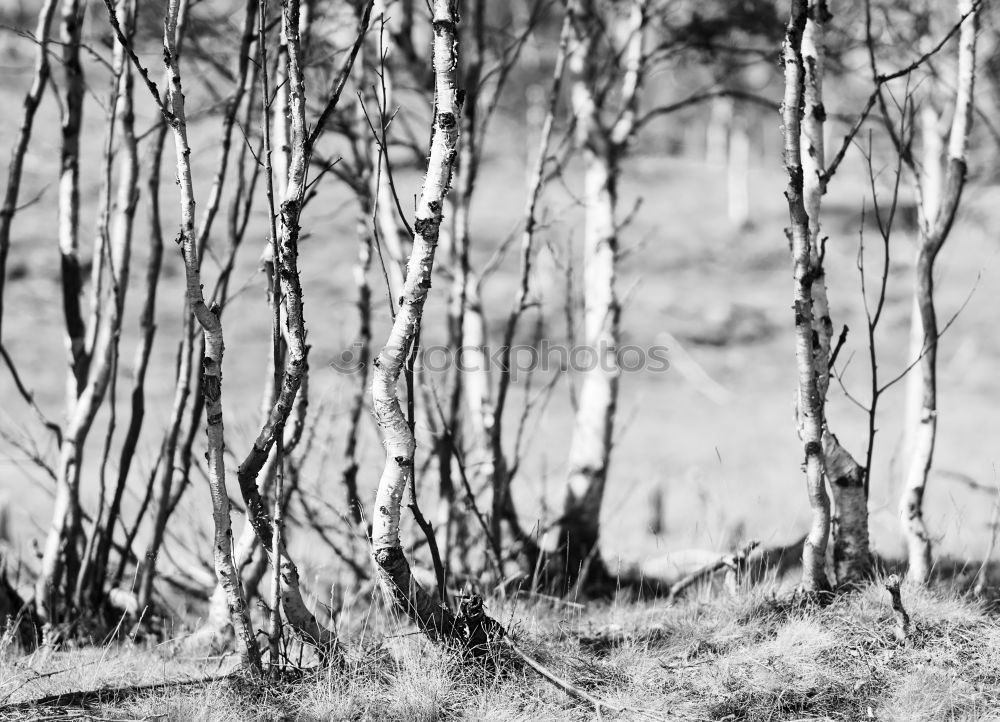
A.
x: 752, y: 656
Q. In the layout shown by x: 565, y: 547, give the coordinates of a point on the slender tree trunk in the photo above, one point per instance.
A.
x: 590, y: 450
x: 738, y: 172
x: 846, y: 478
x: 362, y: 357
x: 529, y: 550
x: 105, y: 353
x: 810, y: 400
x: 211, y: 325
x: 69, y: 196
x: 934, y: 233
x: 147, y: 324
x: 393, y: 569
x: 166, y: 494
x: 717, y: 135
x: 389, y: 232
x: 928, y: 205
x: 60, y: 554
x: 31, y: 101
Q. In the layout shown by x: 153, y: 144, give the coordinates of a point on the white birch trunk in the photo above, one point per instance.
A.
x: 590, y: 449
x: 846, y: 478
x: 929, y: 204
x: 810, y: 400
x: 69, y: 198
x: 934, y: 233
x: 593, y: 426
x: 393, y: 568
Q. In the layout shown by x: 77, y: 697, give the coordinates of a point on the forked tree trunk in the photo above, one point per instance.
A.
x: 934, y: 232
x: 846, y: 478
x: 602, y: 145
x: 286, y: 266
x: 103, y: 364
x: 61, y: 552
x: 809, y: 406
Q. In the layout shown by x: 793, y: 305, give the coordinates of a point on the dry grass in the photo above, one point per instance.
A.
x: 753, y: 657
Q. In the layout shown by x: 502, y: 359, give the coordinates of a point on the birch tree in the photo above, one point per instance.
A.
x: 936, y: 219
x: 809, y: 401
x: 62, y: 542
x: 172, y: 447
x: 92, y: 364
x: 406, y: 594
x: 845, y: 477
x: 208, y: 318
x: 602, y: 134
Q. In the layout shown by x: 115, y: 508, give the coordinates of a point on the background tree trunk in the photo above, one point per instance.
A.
x: 934, y: 232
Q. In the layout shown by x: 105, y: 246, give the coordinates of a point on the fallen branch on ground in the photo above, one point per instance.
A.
x: 735, y: 562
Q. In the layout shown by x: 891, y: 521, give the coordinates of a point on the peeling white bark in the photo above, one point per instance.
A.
x: 809, y: 400
x: 846, y: 478
x: 394, y: 571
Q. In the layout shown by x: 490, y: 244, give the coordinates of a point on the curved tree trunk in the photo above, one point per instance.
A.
x: 406, y: 593
x: 934, y: 233
x: 211, y: 325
